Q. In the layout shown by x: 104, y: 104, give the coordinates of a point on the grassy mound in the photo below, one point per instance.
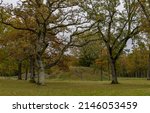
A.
x: 79, y: 73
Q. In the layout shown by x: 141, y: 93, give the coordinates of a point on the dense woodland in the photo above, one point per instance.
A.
x: 112, y: 36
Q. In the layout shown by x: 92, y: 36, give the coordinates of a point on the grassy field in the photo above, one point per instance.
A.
x: 127, y: 87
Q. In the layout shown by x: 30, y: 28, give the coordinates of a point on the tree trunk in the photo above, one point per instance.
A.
x: 101, y: 73
x: 40, y: 49
x: 109, y: 77
x: 148, y: 74
x: 113, y: 71
x: 32, y: 70
x: 19, y: 70
x: 41, y: 73
x: 26, y: 75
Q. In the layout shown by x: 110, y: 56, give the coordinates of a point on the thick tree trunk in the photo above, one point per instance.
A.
x: 32, y: 70
x: 19, y: 70
x: 40, y: 49
x: 113, y: 71
x: 109, y: 77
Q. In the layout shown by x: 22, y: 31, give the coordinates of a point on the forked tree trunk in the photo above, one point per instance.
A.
x: 19, y: 70
x: 113, y: 71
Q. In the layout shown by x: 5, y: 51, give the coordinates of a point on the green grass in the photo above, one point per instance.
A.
x: 127, y: 87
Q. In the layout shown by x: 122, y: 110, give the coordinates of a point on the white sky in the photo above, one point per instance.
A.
x: 10, y: 1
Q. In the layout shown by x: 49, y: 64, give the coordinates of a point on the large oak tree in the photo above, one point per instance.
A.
x: 117, y: 22
x: 47, y: 21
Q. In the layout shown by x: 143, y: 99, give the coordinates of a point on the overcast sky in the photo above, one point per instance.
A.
x: 10, y: 1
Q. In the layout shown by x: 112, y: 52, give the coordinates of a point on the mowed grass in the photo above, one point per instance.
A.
x: 127, y: 87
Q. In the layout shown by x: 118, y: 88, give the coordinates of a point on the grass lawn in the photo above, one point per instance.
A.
x: 127, y: 87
